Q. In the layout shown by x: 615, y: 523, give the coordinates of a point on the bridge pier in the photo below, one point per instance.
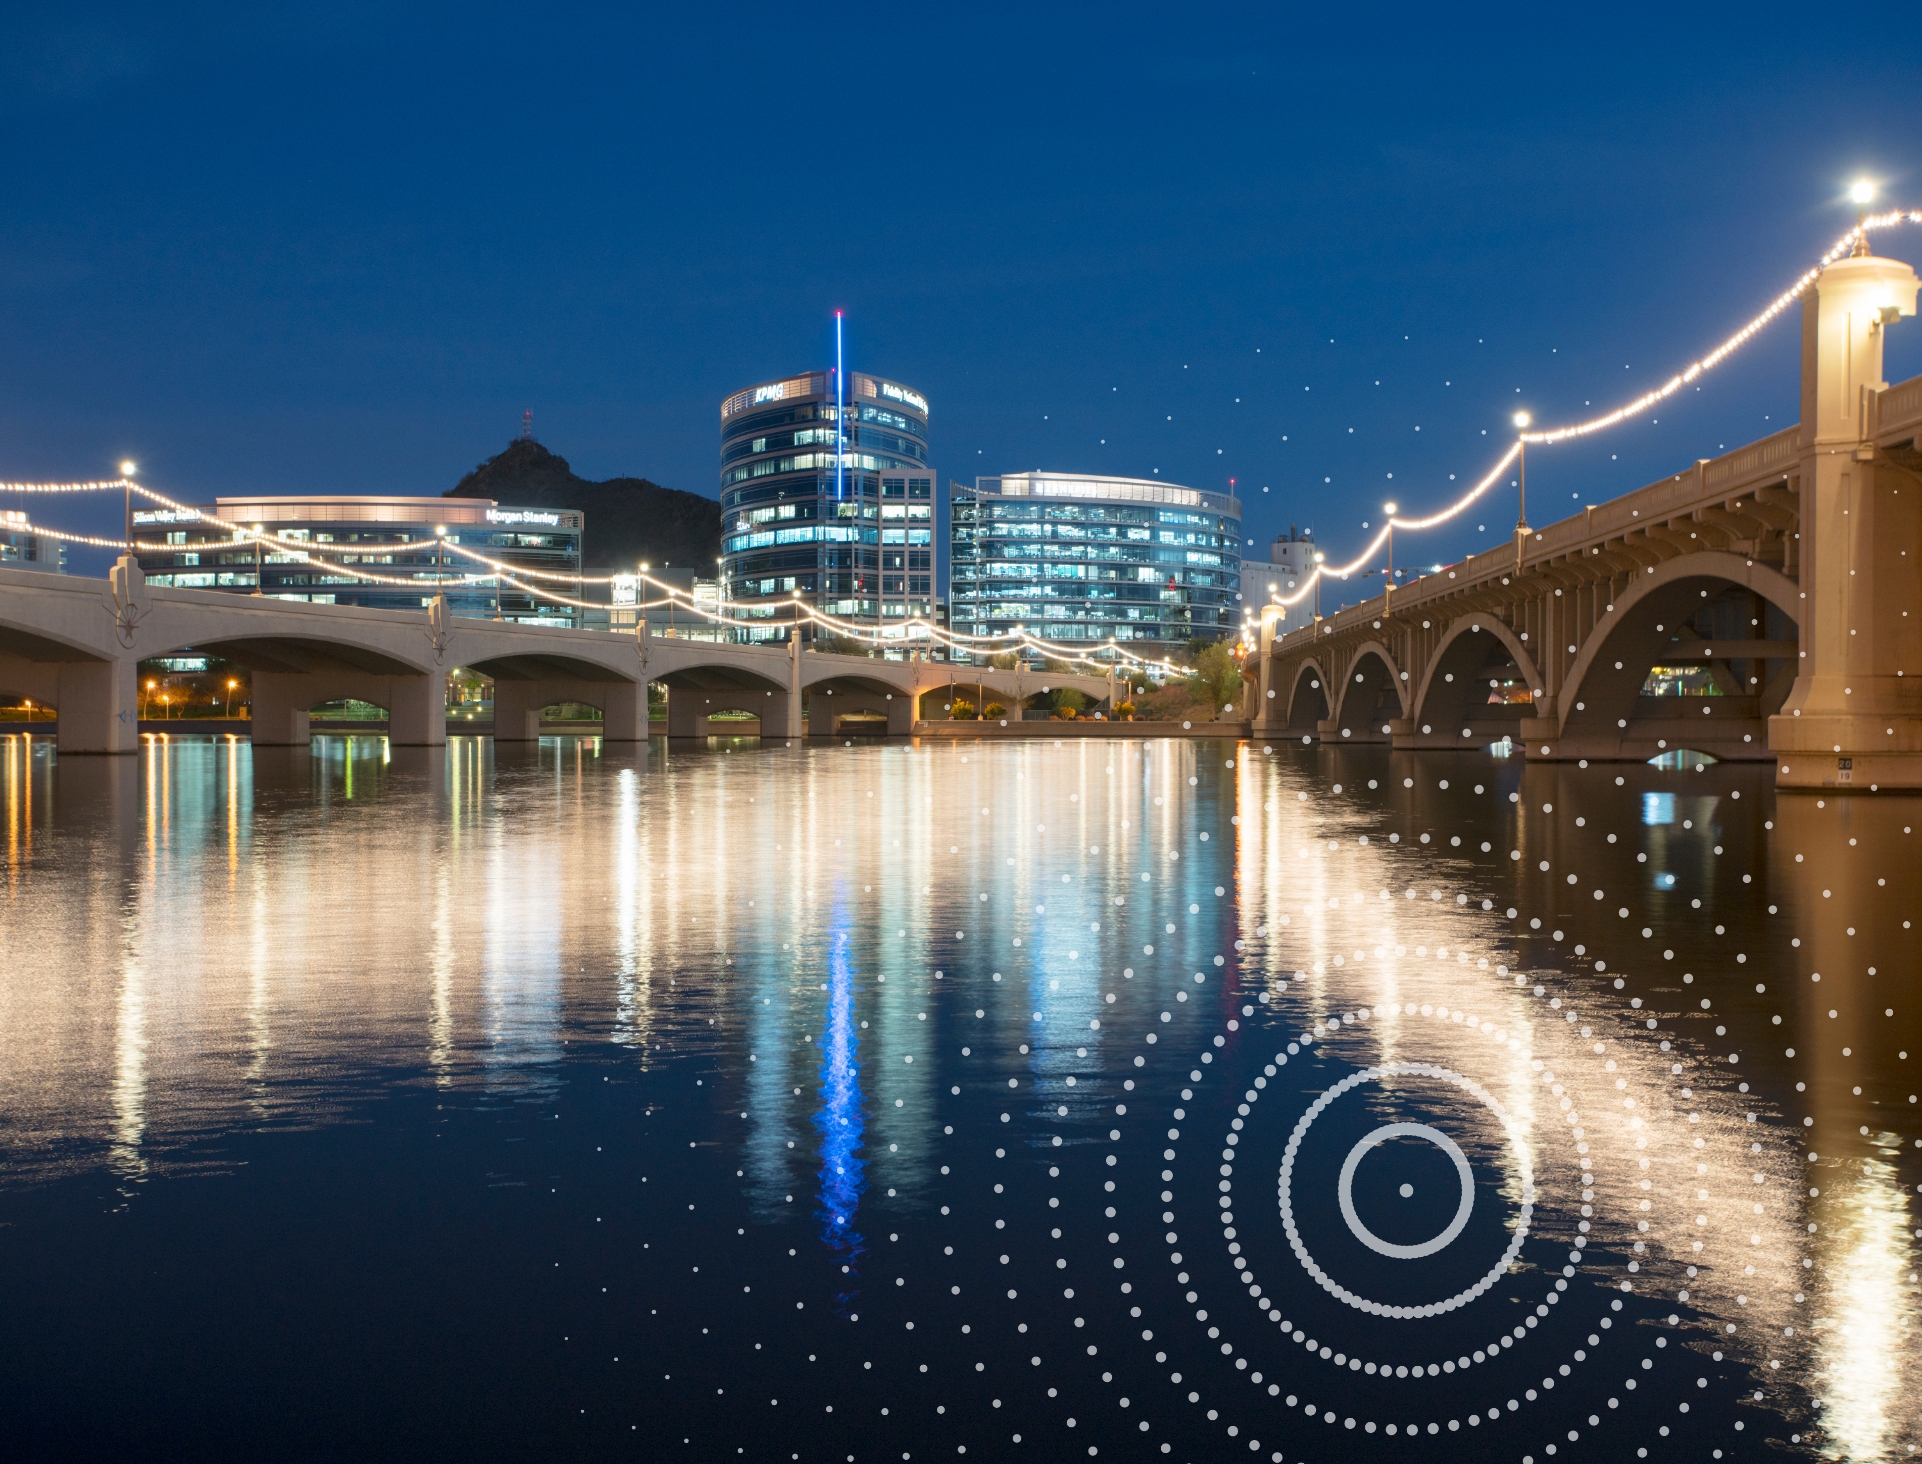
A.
x: 1854, y: 713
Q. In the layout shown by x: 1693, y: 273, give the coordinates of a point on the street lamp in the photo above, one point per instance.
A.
x: 127, y: 469
x: 231, y: 685
x: 1521, y: 512
x: 1319, y: 557
x: 1389, y: 509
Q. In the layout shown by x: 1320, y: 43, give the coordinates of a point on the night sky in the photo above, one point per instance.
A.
x: 1321, y: 251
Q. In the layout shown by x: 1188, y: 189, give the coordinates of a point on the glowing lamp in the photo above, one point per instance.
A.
x: 129, y: 468
x: 1521, y: 419
x: 1862, y: 193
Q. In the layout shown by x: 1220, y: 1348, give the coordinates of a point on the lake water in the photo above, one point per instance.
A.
x: 1140, y: 1100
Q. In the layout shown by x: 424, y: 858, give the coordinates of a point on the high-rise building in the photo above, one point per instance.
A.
x: 842, y: 514
x: 399, y: 539
x: 1071, y: 557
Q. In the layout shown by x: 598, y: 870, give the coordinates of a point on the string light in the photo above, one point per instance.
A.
x: 515, y: 577
x: 1734, y: 343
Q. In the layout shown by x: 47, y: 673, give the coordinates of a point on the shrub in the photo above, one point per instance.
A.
x: 1125, y: 711
x: 1065, y: 714
x: 964, y: 711
x: 993, y: 711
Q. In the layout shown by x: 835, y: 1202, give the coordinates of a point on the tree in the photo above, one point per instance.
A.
x: 1217, y: 675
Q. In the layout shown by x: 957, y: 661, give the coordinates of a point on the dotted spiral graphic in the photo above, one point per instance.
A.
x: 1518, y: 1147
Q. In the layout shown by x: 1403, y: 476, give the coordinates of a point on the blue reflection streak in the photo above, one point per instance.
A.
x: 840, y: 1118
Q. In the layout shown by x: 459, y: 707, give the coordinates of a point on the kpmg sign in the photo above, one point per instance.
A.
x: 523, y: 516
x: 165, y: 516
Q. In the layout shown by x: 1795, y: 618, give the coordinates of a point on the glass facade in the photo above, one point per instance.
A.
x: 391, y: 537
x: 1070, y: 557
x: 22, y: 548
x: 853, y: 537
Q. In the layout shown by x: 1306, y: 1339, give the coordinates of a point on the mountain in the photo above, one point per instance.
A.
x: 630, y: 521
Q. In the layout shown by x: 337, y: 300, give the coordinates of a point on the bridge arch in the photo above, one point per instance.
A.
x: 1308, y: 699
x: 1371, y: 696
x: 1472, y: 646
x: 1601, y: 705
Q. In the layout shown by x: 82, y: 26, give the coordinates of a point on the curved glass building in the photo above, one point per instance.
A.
x: 1072, y: 557
x: 850, y: 527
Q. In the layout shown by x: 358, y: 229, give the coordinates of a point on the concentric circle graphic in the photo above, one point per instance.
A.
x: 1518, y: 1146
x: 1345, y: 1190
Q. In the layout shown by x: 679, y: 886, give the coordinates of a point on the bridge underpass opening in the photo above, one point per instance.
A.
x: 697, y: 694
x: 1370, y: 700
x: 55, y: 675
x: 294, y: 677
x: 1307, y: 703
x: 880, y: 709
x: 1476, y: 695
x: 530, y: 690
x: 1697, y: 663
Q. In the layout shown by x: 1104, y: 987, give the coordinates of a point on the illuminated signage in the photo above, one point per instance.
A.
x: 13, y: 518
x: 165, y: 516
x: 625, y: 587
x: 523, y: 516
x: 902, y: 394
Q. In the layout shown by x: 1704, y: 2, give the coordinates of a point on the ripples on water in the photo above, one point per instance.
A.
x: 865, y: 1103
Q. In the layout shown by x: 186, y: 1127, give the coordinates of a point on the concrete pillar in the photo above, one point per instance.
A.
x: 1270, y: 713
x: 417, y: 710
x: 1849, y: 718
x: 517, y: 710
x: 98, y: 704
x: 280, y: 709
x: 687, y: 710
x: 624, y: 713
x: 791, y: 727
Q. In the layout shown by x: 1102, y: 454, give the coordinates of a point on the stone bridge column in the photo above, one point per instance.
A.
x: 1268, y: 716
x: 417, y: 710
x: 1850, y: 718
x: 280, y: 709
x: 624, y: 713
x: 517, y: 710
x: 98, y: 704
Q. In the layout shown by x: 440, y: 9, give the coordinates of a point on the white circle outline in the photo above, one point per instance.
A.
x: 1345, y: 1191
x: 1461, y: 1298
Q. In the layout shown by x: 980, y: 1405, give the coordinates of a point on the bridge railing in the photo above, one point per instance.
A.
x: 1708, y: 481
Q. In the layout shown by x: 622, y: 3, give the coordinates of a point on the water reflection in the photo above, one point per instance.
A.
x: 841, y: 1119
x: 1699, y: 1038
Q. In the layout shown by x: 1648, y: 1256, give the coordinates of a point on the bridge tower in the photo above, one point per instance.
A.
x: 1854, y: 714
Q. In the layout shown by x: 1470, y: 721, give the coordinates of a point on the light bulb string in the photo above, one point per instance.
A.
x: 513, y: 575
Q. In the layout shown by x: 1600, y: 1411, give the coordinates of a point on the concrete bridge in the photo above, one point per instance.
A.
x: 74, y: 645
x: 1787, y: 574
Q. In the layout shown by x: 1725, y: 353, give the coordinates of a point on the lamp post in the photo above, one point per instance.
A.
x: 440, y: 537
x: 1319, y: 557
x: 260, y: 561
x: 1521, y: 513
x: 231, y: 685
x: 1388, y: 593
x: 127, y: 470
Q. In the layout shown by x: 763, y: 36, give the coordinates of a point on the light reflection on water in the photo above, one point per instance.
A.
x: 280, y: 941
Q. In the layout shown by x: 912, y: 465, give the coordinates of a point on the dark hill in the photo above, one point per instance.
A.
x: 629, y: 520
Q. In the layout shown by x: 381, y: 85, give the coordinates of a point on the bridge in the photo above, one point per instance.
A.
x: 1783, y: 580
x: 74, y: 645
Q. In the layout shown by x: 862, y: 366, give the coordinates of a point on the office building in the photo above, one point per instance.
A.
x: 23, y: 548
x: 1079, y: 558
x: 400, y: 539
x: 843, y: 518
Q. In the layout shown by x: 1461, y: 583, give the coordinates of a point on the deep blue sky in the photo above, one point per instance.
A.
x: 343, y: 249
